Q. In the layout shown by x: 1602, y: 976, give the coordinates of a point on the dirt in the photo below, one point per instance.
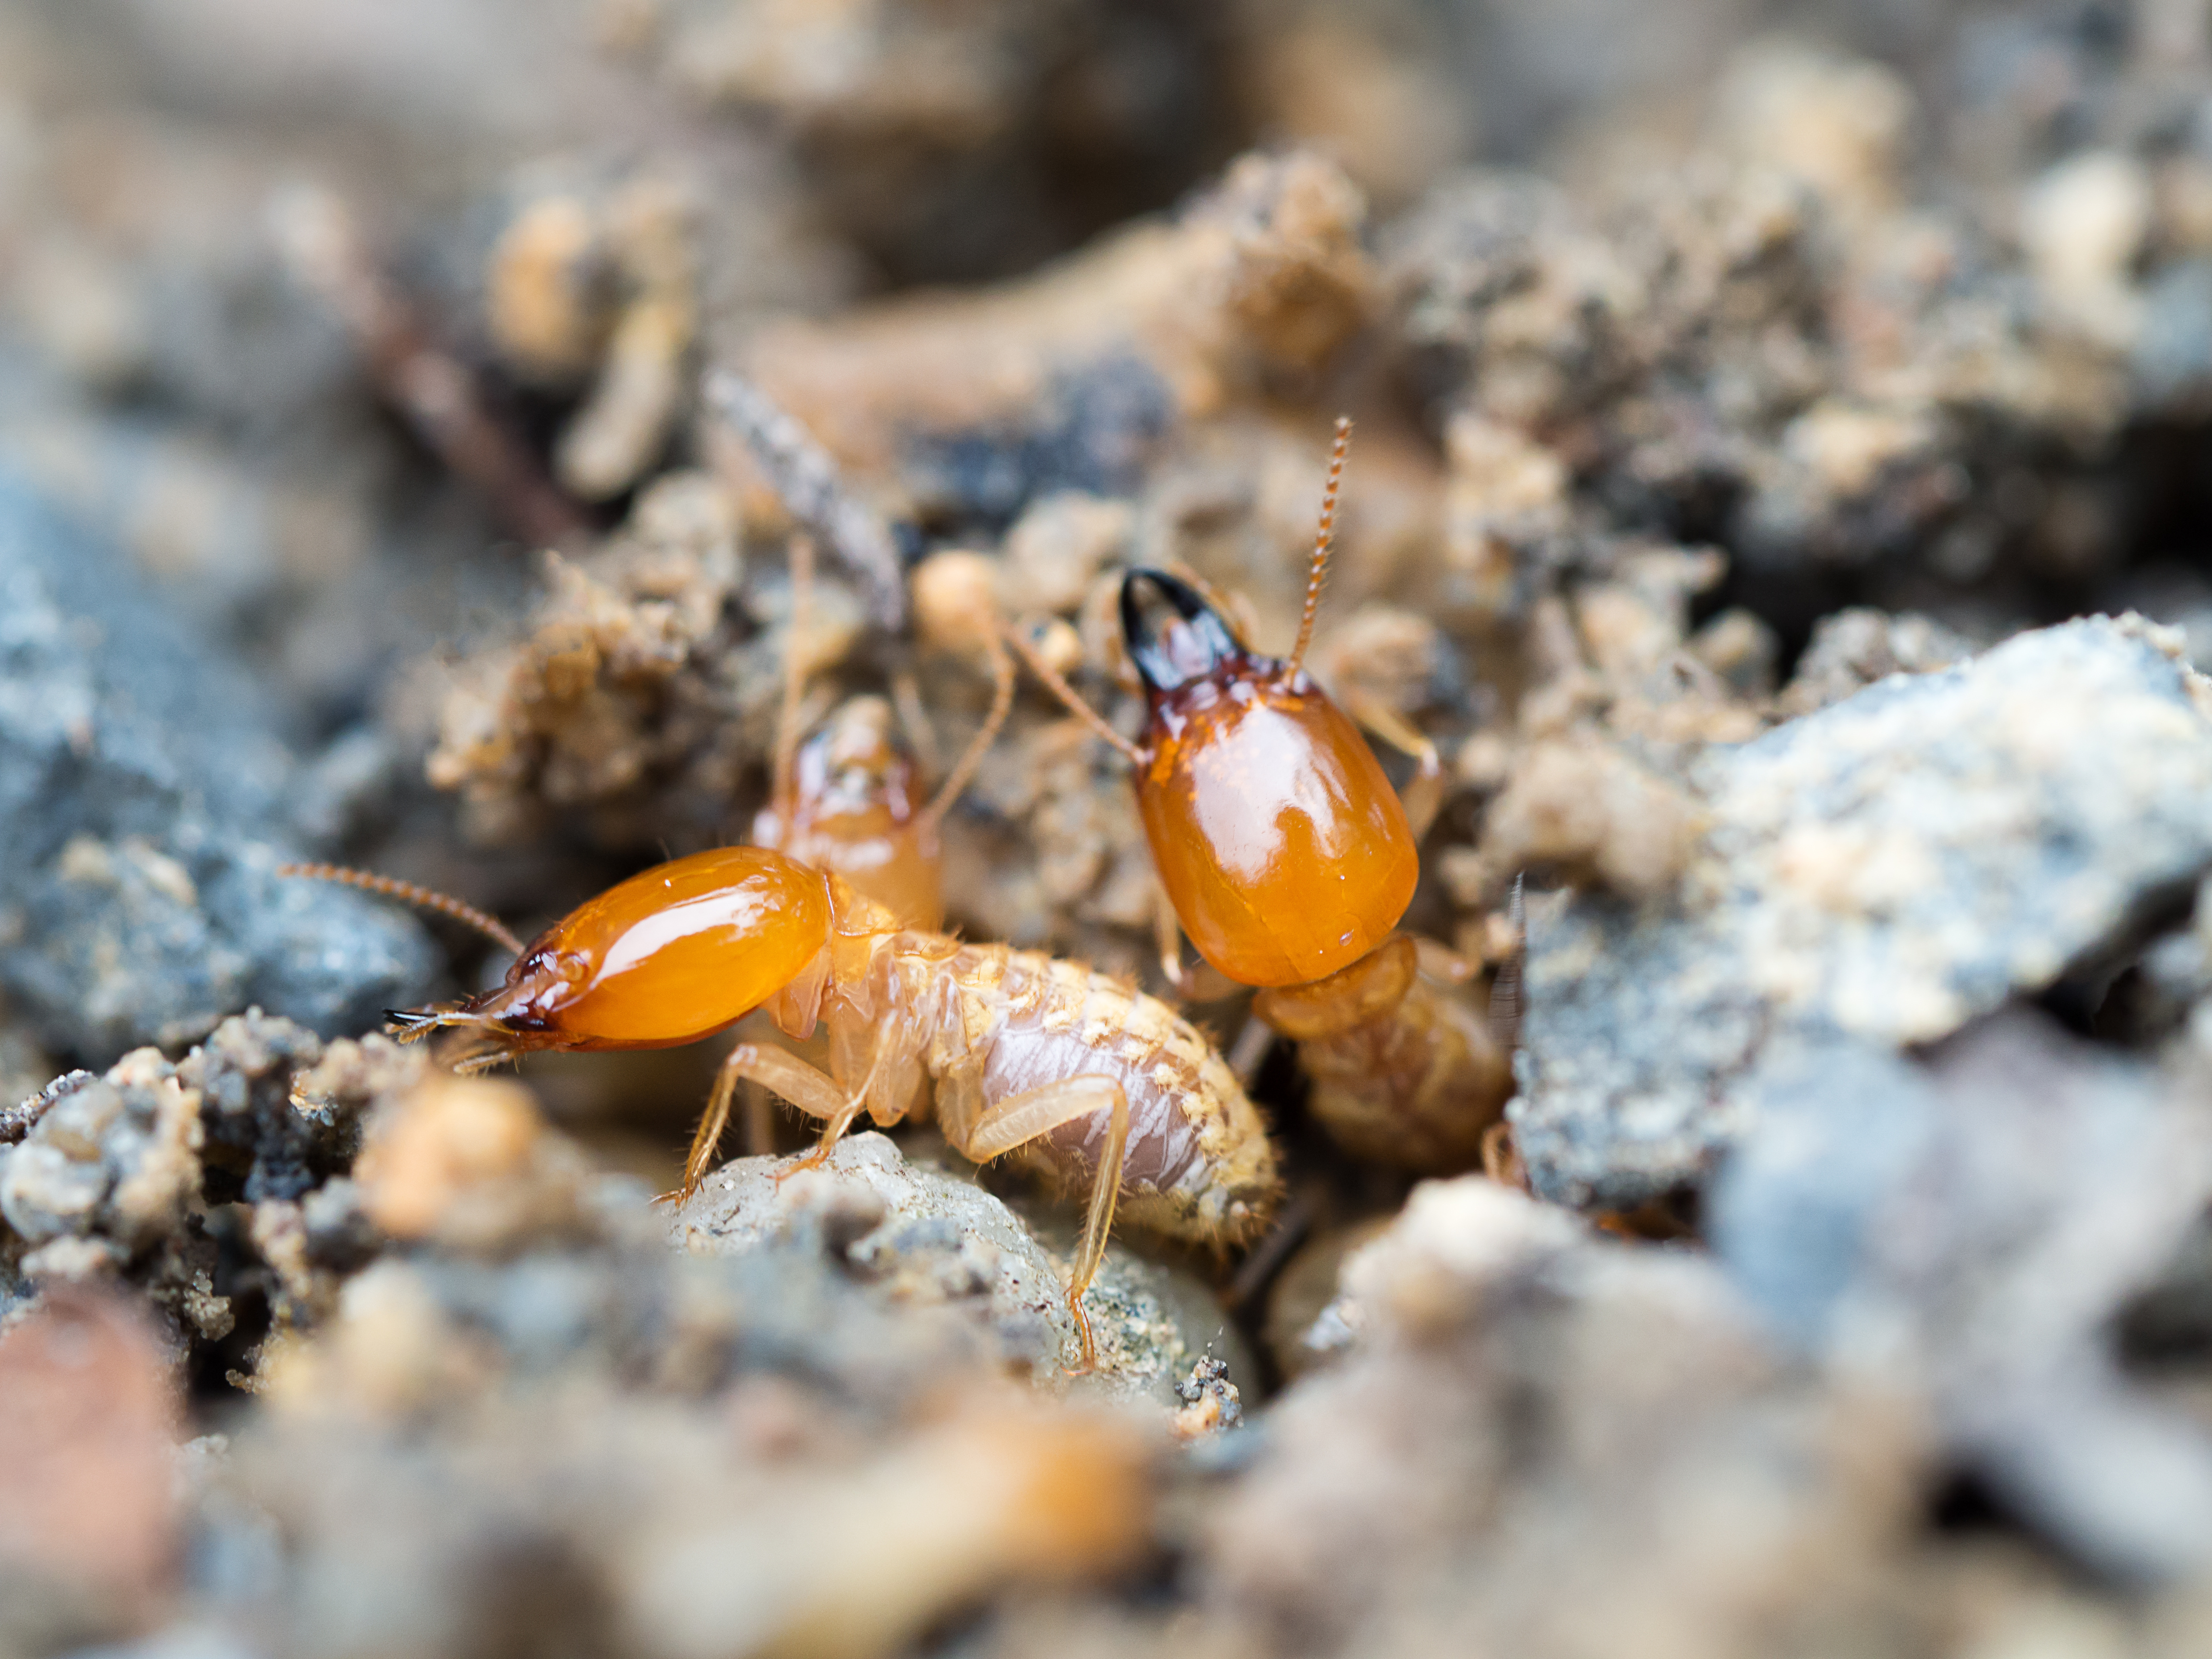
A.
x: 1777, y: 494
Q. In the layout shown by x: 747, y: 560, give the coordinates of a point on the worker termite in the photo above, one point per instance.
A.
x: 1082, y: 1078
x: 1289, y: 860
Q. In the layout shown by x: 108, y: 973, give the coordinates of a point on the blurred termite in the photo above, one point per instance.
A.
x: 1289, y: 858
x: 843, y: 801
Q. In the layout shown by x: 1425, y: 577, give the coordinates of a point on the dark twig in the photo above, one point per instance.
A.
x: 1258, y: 1270
x: 433, y: 392
x: 805, y: 479
x: 1507, y: 1001
x: 16, y: 1122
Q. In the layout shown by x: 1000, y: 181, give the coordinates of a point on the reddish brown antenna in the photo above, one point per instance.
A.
x: 1060, y: 689
x: 1324, y: 540
x: 963, y: 770
x: 407, y: 892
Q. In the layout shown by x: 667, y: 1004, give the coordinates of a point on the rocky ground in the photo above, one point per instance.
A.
x: 1780, y: 491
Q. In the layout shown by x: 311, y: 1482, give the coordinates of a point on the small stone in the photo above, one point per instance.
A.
x: 1059, y: 544
x: 1498, y: 1449
x: 2083, y: 223
x: 468, y: 1162
x: 1887, y: 868
x: 1972, y: 1228
x: 1210, y: 1403
x: 920, y: 1237
x: 955, y: 601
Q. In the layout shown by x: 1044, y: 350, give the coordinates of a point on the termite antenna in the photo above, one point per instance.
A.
x: 408, y: 893
x: 1060, y: 688
x: 1324, y: 540
x: 963, y: 770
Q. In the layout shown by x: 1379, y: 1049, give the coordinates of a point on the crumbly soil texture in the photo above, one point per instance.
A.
x: 1775, y: 1220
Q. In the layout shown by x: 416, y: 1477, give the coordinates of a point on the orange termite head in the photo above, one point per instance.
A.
x: 670, y: 956
x: 1279, y: 840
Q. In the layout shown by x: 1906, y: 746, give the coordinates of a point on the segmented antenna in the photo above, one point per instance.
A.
x: 964, y: 769
x: 408, y: 893
x: 1060, y: 688
x: 1324, y: 538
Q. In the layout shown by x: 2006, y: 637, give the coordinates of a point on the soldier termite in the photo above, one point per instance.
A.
x: 1289, y: 860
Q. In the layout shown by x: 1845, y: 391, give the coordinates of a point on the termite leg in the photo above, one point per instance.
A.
x: 1249, y: 1052
x: 1021, y: 1118
x: 913, y: 719
x: 1423, y: 796
x: 1194, y: 981
x: 784, y: 1074
x: 896, y: 1088
x: 760, y: 1121
x: 783, y: 791
x: 1167, y: 934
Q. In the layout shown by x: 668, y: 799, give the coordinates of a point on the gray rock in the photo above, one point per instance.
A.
x: 142, y: 792
x: 924, y: 1238
x: 1971, y: 1228
x: 1885, y: 870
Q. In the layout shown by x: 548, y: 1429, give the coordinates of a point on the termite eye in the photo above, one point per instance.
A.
x: 546, y: 962
x: 1173, y: 634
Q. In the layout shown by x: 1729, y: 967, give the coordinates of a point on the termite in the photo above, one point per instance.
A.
x: 844, y: 800
x: 1289, y: 860
x: 1081, y: 1076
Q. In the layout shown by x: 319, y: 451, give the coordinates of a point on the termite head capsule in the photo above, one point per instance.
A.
x: 666, y: 957
x: 1193, y: 643
x: 1280, y: 842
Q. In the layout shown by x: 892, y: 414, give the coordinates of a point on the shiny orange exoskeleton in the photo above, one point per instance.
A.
x: 1281, y: 843
x: 851, y: 805
x: 1085, y: 1080
x: 1289, y: 860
